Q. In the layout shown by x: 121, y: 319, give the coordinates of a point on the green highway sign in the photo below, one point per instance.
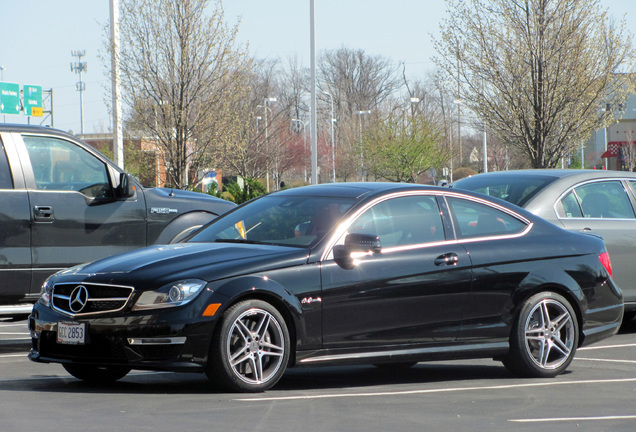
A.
x: 32, y: 99
x: 10, y: 98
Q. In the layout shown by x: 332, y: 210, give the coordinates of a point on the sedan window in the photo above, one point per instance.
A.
x: 607, y: 199
x: 402, y: 221
x: 473, y: 219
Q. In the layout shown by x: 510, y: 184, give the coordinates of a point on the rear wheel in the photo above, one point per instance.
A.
x: 250, y: 348
x: 544, y: 337
x: 96, y: 374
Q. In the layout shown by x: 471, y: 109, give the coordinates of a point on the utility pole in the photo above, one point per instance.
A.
x: 79, y: 67
x: 312, y: 105
x: 118, y: 131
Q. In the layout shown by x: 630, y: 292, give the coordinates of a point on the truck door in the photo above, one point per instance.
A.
x: 76, y: 216
x: 15, y: 227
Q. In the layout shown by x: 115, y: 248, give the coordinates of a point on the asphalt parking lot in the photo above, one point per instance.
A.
x: 595, y: 394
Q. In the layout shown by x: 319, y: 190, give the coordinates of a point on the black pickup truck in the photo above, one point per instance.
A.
x: 62, y: 203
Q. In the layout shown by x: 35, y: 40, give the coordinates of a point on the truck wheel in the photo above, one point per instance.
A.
x: 250, y: 348
x: 544, y: 337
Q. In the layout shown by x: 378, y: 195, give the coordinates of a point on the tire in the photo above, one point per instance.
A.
x: 97, y: 374
x: 544, y: 337
x: 250, y: 348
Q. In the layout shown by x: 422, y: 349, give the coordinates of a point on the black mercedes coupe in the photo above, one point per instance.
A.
x: 349, y: 273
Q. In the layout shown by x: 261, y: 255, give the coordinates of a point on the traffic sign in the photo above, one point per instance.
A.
x: 9, y: 98
x: 33, y: 100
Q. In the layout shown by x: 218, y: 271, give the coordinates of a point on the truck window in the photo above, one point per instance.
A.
x: 63, y: 166
x: 6, y: 181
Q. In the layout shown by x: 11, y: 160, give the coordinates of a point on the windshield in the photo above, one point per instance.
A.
x: 282, y: 220
x: 516, y: 189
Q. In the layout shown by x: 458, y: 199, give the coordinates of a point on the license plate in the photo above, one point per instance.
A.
x: 71, y: 333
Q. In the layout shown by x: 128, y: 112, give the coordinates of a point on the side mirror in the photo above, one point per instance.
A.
x: 126, y: 187
x: 360, y: 243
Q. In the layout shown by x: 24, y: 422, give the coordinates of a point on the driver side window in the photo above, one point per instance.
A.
x: 62, y: 166
x: 402, y: 221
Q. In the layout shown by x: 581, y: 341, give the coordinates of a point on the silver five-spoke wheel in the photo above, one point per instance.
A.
x: 255, y: 346
x: 550, y: 334
x: 544, y: 336
x: 250, y: 348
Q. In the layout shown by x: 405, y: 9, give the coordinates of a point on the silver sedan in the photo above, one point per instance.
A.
x: 595, y: 201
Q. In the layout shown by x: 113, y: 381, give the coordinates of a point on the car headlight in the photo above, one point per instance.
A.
x: 171, y: 295
x: 45, y: 293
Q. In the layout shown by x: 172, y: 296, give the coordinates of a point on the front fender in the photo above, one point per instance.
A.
x: 271, y: 291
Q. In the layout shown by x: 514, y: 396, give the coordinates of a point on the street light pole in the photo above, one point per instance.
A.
x: 267, y: 99
x: 333, y: 144
x: 360, y: 113
x: 2, y: 69
x: 314, y: 122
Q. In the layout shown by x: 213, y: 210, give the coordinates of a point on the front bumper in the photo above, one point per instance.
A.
x: 165, y: 340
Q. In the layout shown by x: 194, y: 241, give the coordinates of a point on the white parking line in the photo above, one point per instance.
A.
x: 572, y: 419
x: 606, y: 360
x: 443, y: 390
x: 606, y: 347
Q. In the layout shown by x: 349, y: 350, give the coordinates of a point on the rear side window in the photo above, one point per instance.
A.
x: 473, y: 219
x: 6, y: 181
x: 599, y: 200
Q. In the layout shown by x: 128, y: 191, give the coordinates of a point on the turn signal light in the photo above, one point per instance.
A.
x: 211, y: 309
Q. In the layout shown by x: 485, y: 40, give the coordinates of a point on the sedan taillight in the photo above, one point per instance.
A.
x: 605, y: 260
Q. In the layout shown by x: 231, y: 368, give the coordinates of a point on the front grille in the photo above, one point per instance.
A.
x: 81, y: 299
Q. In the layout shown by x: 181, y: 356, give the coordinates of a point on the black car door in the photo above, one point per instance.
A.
x: 75, y: 216
x: 410, y: 293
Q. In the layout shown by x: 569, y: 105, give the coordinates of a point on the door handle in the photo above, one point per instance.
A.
x: 449, y: 259
x: 43, y: 214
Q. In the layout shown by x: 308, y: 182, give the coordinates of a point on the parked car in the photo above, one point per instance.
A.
x: 595, y: 201
x: 387, y: 274
x: 63, y: 203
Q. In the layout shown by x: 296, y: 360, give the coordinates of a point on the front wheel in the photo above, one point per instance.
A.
x: 97, y: 374
x: 544, y: 337
x: 250, y: 348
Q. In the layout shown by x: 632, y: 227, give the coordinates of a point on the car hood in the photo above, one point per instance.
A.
x: 158, y: 265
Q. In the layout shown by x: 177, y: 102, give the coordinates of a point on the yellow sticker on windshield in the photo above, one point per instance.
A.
x: 240, y: 227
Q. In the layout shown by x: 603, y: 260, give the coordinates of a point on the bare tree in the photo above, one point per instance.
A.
x: 184, y: 77
x: 537, y: 72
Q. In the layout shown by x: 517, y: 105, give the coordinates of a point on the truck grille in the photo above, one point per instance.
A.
x: 80, y: 299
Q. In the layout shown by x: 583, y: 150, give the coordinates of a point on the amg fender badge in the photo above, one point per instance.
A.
x: 308, y: 300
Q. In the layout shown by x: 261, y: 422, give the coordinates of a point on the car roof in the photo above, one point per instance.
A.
x: 355, y: 190
x: 25, y: 128
x: 574, y: 174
